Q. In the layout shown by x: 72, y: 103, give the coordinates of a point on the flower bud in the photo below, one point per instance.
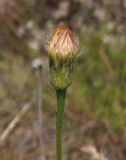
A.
x: 62, y: 51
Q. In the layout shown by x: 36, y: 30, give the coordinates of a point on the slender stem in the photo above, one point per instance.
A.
x: 61, y: 95
x: 40, y: 114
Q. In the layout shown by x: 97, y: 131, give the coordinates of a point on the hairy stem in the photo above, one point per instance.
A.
x: 61, y: 95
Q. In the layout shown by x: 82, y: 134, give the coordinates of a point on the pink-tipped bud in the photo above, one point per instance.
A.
x: 62, y: 50
x: 62, y: 45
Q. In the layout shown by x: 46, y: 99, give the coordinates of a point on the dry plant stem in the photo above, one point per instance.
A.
x: 40, y: 114
x: 61, y: 95
x: 107, y: 62
x: 13, y: 123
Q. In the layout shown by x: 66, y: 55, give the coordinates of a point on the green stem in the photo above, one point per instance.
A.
x: 61, y: 95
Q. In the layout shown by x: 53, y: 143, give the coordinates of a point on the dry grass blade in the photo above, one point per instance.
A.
x: 92, y: 151
x: 13, y: 123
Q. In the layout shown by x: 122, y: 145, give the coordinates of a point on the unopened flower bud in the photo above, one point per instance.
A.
x: 62, y: 51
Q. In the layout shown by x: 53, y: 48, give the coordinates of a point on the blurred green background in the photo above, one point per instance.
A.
x: 95, y: 114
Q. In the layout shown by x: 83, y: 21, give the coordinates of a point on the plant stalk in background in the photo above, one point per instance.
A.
x: 40, y: 113
x: 62, y: 51
x: 37, y: 64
